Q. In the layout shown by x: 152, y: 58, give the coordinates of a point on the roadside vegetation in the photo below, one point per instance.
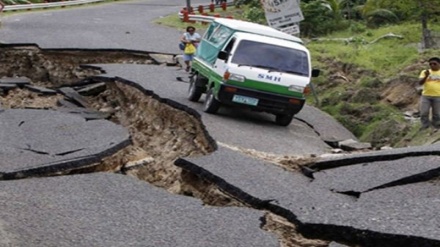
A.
x: 370, y: 53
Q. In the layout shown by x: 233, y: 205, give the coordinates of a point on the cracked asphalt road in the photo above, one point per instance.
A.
x: 385, y: 198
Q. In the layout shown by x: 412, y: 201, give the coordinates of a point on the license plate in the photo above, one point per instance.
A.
x: 245, y: 100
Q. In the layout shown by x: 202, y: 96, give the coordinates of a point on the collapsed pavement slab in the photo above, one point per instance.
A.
x: 316, y: 210
x: 328, y: 128
x: 330, y: 162
x: 39, y: 141
x: 398, y: 216
x: 244, y: 176
x: 368, y: 176
x: 261, y: 184
x: 105, y: 209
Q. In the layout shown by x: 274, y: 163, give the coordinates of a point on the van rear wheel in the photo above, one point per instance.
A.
x: 211, y: 105
x: 283, y: 119
x: 194, y: 91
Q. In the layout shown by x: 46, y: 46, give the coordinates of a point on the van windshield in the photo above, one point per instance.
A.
x: 271, y: 57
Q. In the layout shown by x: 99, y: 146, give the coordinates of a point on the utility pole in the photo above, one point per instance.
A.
x: 188, y: 6
x: 2, y: 6
x: 427, y: 41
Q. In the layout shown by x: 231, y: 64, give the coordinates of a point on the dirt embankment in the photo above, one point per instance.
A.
x: 381, y: 111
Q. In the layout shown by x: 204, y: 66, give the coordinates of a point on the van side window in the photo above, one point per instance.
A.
x: 210, y: 30
x: 220, y: 35
x: 229, y: 46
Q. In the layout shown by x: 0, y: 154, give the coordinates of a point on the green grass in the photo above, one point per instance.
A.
x: 387, y: 56
x: 175, y: 22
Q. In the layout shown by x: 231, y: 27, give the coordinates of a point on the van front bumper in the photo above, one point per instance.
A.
x: 266, y: 102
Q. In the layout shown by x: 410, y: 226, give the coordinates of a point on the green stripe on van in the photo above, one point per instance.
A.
x: 203, y: 69
x: 250, y: 84
x: 266, y: 87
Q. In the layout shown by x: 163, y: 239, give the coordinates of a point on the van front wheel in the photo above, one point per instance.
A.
x: 194, y: 91
x: 283, y: 119
x: 211, y: 105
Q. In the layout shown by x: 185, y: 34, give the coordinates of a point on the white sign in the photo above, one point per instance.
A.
x: 281, y: 13
x: 292, y: 29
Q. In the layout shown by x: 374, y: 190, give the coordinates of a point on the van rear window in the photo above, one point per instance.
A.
x: 272, y: 57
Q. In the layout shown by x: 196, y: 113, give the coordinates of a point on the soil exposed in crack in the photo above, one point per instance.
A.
x: 160, y: 132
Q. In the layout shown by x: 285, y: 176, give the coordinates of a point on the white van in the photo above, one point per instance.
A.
x: 249, y: 65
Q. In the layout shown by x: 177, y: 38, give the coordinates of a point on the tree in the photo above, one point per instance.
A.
x: 318, y: 19
x: 375, y: 13
x: 427, y: 9
x: 335, y: 7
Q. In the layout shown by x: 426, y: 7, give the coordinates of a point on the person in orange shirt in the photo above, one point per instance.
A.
x: 430, y: 99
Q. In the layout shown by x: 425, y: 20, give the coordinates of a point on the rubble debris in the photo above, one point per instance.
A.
x: 41, y: 90
x: 352, y: 145
x: 19, y: 81
x: 74, y: 96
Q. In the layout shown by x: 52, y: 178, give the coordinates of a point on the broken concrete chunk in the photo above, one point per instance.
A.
x: 93, y: 67
x: 88, y: 114
x: 7, y: 87
x: 386, y: 148
x: 19, y: 81
x: 93, y: 89
x: 163, y: 59
x: 335, y: 244
x: 332, y: 142
x: 348, y: 141
x: 41, y: 90
x: 179, y: 60
x: 137, y: 163
x: 337, y: 151
x: 109, y: 110
x: 74, y: 96
x: 350, y: 145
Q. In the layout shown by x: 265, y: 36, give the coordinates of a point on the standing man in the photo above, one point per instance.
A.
x: 430, y: 99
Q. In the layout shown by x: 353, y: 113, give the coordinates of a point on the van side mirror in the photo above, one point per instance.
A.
x: 222, y: 55
x: 315, y: 72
